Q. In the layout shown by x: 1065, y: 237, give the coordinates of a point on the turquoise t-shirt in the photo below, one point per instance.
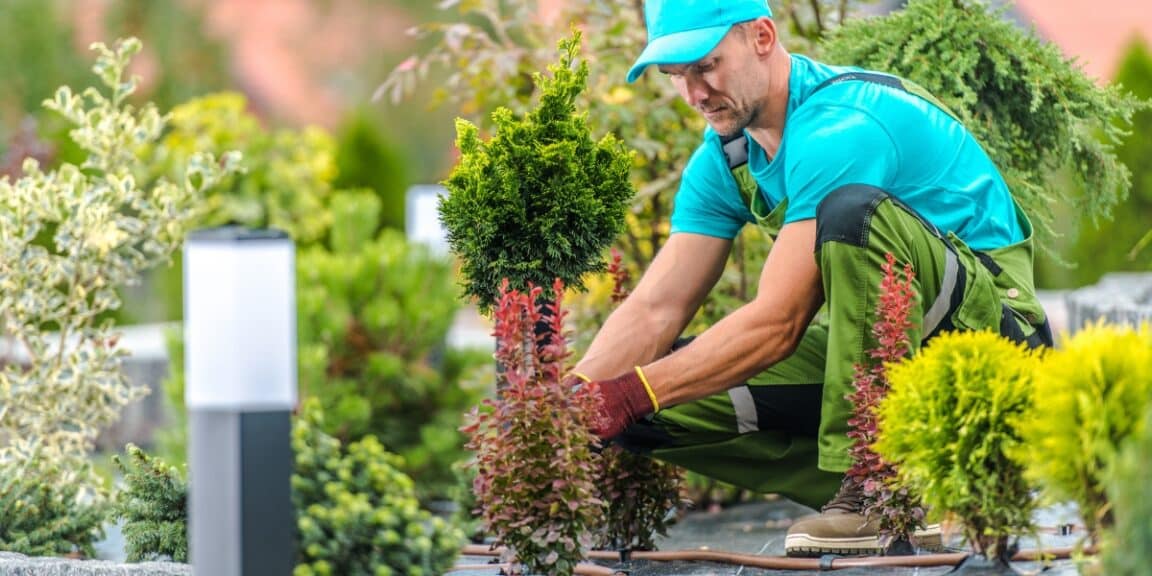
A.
x: 855, y: 132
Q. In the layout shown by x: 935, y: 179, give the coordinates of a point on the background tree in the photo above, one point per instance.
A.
x: 1034, y: 110
x: 1113, y: 246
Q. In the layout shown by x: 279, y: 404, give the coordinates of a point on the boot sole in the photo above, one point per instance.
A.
x: 809, y: 546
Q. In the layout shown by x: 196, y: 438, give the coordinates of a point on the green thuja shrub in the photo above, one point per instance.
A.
x: 1033, y: 110
x: 153, y: 506
x: 948, y: 424
x: 536, y: 478
x: 374, y: 313
x: 540, y: 199
x: 357, y: 513
x: 1090, y: 396
x: 1128, y: 546
x: 44, y: 511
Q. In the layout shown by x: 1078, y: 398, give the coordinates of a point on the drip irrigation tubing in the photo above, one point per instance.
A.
x: 811, y: 564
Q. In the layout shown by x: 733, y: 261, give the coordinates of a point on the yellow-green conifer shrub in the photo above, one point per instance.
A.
x: 1128, y: 547
x: 948, y: 423
x: 1090, y: 395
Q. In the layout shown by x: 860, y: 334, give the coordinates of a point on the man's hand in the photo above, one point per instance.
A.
x: 624, y: 400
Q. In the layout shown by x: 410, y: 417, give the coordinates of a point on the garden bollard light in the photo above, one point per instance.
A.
x: 240, y: 389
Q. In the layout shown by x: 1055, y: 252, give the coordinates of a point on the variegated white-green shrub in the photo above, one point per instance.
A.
x: 69, y: 237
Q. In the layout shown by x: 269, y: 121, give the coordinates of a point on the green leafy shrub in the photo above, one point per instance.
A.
x: 535, y: 474
x: 153, y: 506
x: 374, y: 314
x: 1089, y: 397
x: 45, y: 510
x: 541, y: 199
x: 69, y: 238
x: 287, y: 177
x: 1034, y: 110
x: 639, y: 491
x: 1128, y: 548
x: 948, y: 425
x: 358, y: 514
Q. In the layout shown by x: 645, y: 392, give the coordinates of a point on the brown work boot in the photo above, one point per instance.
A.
x: 841, y: 528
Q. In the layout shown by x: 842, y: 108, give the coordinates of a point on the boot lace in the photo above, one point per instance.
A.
x: 849, y: 498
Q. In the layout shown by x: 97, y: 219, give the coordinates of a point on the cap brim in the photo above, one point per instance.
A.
x: 679, y: 48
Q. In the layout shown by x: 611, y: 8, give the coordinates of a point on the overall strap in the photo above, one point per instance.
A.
x: 735, y: 148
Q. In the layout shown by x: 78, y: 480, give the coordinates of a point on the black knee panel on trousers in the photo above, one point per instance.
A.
x: 846, y: 213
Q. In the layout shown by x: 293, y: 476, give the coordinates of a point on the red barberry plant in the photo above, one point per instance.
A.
x: 535, y: 486
x: 639, y: 490
x: 899, y: 510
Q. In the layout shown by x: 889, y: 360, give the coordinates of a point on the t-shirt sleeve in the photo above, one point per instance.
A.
x: 833, y: 146
x: 708, y: 201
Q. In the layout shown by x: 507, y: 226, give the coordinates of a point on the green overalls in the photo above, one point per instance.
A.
x: 785, y: 431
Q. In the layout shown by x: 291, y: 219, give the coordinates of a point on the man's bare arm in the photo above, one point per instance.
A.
x: 756, y: 335
x: 667, y: 296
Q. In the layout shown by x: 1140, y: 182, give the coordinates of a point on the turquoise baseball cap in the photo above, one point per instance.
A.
x: 684, y: 31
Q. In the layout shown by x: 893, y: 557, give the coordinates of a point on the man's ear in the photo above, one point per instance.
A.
x: 764, y: 37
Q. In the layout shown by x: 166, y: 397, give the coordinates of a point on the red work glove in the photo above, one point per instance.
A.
x: 624, y: 400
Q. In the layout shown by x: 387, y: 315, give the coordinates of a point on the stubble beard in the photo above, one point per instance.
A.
x: 734, y: 122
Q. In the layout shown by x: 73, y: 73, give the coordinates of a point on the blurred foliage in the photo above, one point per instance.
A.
x: 285, y: 183
x: 37, y: 54
x: 357, y: 513
x: 287, y: 177
x: 1034, y: 111
x: 1119, y: 244
x: 374, y: 313
x: 185, y: 61
x: 948, y: 424
x: 366, y: 159
x: 1090, y: 396
x: 39, y: 50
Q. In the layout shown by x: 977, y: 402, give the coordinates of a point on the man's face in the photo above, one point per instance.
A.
x: 724, y: 86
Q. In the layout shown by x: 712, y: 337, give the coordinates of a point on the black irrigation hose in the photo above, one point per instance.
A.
x: 812, y: 564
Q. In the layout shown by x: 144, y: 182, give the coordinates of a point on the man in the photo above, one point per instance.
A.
x: 843, y: 169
